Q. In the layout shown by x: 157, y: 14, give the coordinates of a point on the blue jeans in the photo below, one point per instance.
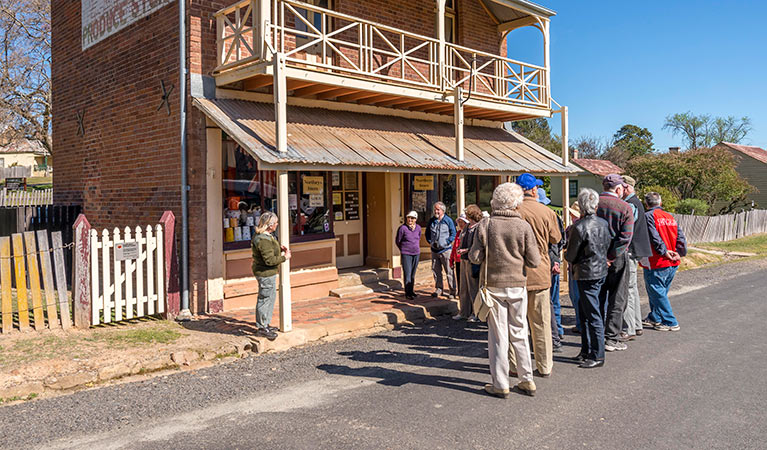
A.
x: 267, y: 294
x: 555, y: 305
x: 409, y: 266
x: 574, y: 296
x: 593, y: 330
x: 658, y: 282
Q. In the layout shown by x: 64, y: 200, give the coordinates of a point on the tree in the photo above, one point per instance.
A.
x: 25, y: 84
x: 538, y: 131
x: 705, y: 131
x: 691, y: 127
x: 589, y: 147
x: 704, y: 174
x: 633, y: 140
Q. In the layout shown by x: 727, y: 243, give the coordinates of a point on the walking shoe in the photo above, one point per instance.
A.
x: 556, y: 347
x: 661, y: 327
x: 612, y: 346
x: 495, y: 392
x: 647, y: 323
x: 538, y: 373
x: 269, y: 334
x: 435, y: 294
x: 472, y: 318
x: 457, y: 317
x: 271, y: 328
x: 580, y: 357
x: 591, y: 364
x: 625, y: 337
x: 674, y: 328
x: 639, y: 332
x: 526, y: 387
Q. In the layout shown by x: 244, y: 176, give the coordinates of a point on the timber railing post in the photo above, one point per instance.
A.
x: 81, y: 285
x: 172, y: 287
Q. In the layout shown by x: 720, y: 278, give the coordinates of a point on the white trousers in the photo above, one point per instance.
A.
x: 507, y: 324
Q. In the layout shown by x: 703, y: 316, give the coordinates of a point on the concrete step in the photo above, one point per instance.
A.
x: 362, y: 276
x: 350, y: 291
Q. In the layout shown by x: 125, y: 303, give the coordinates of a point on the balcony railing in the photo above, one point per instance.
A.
x: 323, y: 40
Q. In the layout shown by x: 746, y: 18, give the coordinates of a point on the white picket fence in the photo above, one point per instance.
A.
x: 131, y: 286
x: 722, y: 228
x: 12, y: 199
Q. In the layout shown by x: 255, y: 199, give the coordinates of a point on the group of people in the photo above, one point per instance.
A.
x: 514, y: 257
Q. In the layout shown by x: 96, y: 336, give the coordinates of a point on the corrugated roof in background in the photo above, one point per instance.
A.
x: 752, y: 151
x: 342, y: 138
x: 601, y: 167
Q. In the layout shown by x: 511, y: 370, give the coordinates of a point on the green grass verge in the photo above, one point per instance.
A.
x: 751, y: 244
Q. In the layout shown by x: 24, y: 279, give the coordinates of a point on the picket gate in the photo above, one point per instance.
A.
x: 127, y: 281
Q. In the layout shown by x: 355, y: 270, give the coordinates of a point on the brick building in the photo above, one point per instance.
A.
x: 340, y: 115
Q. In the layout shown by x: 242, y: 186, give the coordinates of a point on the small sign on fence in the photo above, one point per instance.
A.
x: 16, y: 184
x: 126, y: 251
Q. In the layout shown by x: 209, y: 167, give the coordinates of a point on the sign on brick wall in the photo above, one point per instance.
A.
x: 103, y: 18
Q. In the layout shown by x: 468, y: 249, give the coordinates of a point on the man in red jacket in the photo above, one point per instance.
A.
x: 668, y: 247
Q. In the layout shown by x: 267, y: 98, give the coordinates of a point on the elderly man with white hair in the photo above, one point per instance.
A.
x: 505, y: 245
x: 440, y: 235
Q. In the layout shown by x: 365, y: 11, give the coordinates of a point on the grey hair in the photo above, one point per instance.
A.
x: 652, y: 199
x: 588, y: 200
x: 266, y: 220
x: 441, y: 206
x: 507, y: 197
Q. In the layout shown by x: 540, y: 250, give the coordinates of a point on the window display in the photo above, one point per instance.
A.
x: 247, y: 192
x: 309, y: 203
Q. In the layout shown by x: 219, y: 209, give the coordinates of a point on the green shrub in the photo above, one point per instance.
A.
x: 670, y: 201
x: 692, y: 206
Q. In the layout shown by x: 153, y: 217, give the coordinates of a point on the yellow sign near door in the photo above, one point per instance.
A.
x: 313, y: 185
x: 423, y: 183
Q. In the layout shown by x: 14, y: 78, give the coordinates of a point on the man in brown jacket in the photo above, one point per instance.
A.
x: 543, y: 221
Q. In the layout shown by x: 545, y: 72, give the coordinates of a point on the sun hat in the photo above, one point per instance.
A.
x: 542, y: 196
x: 463, y: 217
x: 412, y: 214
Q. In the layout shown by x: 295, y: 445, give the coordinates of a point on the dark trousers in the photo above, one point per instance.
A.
x: 615, y: 295
x: 592, y: 326
x: 556, y: 311
x: 409, y: 266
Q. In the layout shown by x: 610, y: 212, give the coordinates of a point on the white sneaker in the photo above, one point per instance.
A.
x: 457, y: 317
x: 473, y: 318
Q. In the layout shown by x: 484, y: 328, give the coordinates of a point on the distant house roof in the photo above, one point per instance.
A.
x: 754, y: 152
x: 601, y: 167
x: 25, y: 146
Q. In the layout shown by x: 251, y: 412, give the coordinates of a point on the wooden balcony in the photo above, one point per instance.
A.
x: 333, y: 56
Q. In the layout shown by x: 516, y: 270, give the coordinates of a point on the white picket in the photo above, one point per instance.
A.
x: 140, y: 299
x: 97, y: 302
x: 151, y: 245
x: 105, y: 276
x: 118, y: 273
x: 160, y: 269
x: 130, y: 268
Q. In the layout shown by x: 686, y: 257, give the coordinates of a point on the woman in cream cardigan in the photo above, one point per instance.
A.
x: 505, y: 245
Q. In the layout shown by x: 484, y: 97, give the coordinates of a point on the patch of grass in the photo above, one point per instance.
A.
x: 137, y: 336
x: 751, y: 244
x: 17, y: 398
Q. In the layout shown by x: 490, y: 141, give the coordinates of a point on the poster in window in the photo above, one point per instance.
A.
x: 293, y: 202
x: 335, y: 179
x: 337, y: 198
x: 313, y: 185
x: 419, y: 201
x: 339, y: 215
x: 423, y: 183
x: 352, y: 205
x: 316, y: 200
x: 350, y: 181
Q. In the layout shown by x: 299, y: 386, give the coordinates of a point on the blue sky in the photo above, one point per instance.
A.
x: 618, y: 62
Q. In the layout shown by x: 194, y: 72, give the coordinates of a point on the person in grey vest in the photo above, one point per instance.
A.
x: 440, y: 234
x: 638, y: 248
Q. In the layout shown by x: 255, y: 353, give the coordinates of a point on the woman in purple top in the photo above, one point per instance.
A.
x: 408, y: 241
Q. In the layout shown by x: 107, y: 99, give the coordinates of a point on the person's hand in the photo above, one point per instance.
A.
x: 287, y: 254
x: 283, y: 248
x: 556, y: 269
x: 609, y: 263
x: 672, y: 255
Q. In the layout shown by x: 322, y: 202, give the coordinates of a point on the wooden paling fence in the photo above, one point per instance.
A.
x: 12, y: 199
x: 27, y: 274
x: 722, y: 228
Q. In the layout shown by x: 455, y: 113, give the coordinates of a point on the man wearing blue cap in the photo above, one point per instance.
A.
x: 543, y: 221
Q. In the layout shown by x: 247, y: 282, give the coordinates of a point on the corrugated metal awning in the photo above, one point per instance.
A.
x: 344, y: 140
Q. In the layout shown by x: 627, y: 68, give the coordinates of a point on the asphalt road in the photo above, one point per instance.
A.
x: 420, y: 387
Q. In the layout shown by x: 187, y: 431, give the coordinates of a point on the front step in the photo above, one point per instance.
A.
x: 350, y: 291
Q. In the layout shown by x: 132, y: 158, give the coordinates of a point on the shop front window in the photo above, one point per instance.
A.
x: 422, y: 191
x: 309, y: 205
x: 247, y: 192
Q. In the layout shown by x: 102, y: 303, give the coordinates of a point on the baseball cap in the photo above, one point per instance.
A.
x: 527, y: 181
x: 463, y: 217
x: 629, y: 180
x: 612, y: 180
x: 412, y: 214
x: 542, y: 196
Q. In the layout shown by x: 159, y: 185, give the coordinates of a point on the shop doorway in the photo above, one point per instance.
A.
x: 347, y: 219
